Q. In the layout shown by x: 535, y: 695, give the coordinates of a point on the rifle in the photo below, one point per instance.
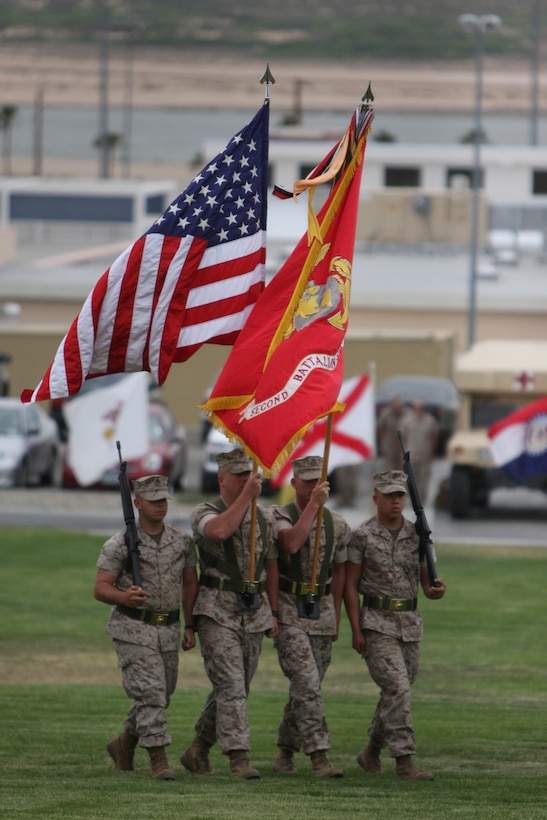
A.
x: 422, y: 526
x: 131, y: 537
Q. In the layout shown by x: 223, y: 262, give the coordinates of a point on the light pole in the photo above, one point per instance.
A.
x: 480, y: 24
x: 536, y: 24
x: 103, y: 93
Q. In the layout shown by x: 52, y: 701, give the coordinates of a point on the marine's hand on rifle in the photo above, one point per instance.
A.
x: 135, y: 597
x: 433, y: 592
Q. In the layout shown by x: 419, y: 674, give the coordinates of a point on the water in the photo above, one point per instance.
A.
x: 177, y: 135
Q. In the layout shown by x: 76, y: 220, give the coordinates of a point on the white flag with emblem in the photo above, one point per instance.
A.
x: 96, y: 420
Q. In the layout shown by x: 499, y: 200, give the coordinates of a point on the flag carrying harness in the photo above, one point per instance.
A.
x: 291, y: 565
x: 228, y: 565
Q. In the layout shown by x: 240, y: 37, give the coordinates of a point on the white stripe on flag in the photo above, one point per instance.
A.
x: 509, y: 444
x: 198, y: 333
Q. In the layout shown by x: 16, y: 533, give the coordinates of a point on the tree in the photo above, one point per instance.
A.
x: 7, y: 117
x: 108, y: 142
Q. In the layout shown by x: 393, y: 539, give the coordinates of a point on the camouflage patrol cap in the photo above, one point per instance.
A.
x: 151, y: 487
x: 308, y: 468
x: 391, y: 481
x: 236, y: 461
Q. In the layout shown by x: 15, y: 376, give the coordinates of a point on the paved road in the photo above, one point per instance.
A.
x: 513, y: 517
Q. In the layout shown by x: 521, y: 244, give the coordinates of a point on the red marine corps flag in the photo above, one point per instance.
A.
x: 286, y: 368
x: 191, y: 279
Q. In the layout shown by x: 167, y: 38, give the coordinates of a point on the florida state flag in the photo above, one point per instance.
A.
x: 287, y: 366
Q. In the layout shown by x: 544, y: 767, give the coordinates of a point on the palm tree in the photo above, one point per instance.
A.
x: 108, y: 142
x: 7, y: 116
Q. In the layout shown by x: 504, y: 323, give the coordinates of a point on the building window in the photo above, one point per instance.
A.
x: 399, y: 177
x: 305, y: 170
x: 461, y: 179
x: 71, y: 207
x: 539, y: 185
x: 155, y: 204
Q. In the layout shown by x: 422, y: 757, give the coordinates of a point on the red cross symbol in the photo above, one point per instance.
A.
x: 524, y: 380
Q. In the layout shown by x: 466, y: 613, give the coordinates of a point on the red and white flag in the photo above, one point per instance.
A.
x: 353, y: 431
x: 286, y: 368
x: 191, y: 279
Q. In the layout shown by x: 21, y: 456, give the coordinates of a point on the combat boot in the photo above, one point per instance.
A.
x: 322, y: 767
x: 284, y: 762
x: 369, y: 759
x: 406, y: 769
x: 196, y: 757
x: 121, y: 750
x: 160, y: 766
x: 240, y: 766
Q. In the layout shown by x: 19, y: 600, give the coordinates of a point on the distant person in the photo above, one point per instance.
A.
x: 346, y: 484
x: 390, y: 420
x: 385, y: 568
x: 307, y: 631
x: 145, y: 622
x: 420, y: 431
x: 233, y: 612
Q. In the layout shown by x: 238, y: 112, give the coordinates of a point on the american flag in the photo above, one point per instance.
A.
x: 191, y: 279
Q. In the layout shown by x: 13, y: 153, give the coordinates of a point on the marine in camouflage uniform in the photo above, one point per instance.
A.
x: 385, y: 567
x: 145, y: 622
x: 233, y: 611
x: 304, y: 642
x: 420, y: 431
x: 390, y: 420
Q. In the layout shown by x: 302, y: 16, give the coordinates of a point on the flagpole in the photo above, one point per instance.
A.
x: 267, y: 78
x: 252, y: 546
x: 324, y: 473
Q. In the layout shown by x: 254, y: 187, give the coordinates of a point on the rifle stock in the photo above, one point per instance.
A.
x: 131, y: 536
x: 422, y: 526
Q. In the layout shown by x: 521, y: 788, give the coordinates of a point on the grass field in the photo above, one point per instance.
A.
x: 479, y: 705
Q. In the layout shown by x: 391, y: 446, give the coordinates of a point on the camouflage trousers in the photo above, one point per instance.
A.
x: 393, y: 666
x: 230, y: 658
x: 304, y: 660
x: 149, y: 678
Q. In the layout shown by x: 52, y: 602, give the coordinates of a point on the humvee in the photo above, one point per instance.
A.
x: 495, y: 378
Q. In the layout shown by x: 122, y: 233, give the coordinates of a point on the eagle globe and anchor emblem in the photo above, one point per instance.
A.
x: 319, y: 301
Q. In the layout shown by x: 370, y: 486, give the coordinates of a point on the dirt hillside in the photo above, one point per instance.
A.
x: 169, y: 78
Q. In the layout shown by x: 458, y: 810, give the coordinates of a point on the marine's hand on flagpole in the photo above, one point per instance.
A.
x: 320, y: 494
x: 253, y: 487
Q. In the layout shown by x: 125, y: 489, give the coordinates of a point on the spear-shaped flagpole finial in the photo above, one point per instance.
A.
x: 368, y: 96
x: 267, y: 78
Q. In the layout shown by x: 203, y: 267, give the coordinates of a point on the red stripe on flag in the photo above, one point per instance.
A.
x: 226, y: 269
x: 222, y: 307
x: 177, y: 314
x: 124, y: 310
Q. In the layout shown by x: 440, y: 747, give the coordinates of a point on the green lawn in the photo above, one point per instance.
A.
x: 480, y: 703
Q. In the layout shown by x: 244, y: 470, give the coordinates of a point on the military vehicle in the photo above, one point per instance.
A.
x: 495, y: 378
